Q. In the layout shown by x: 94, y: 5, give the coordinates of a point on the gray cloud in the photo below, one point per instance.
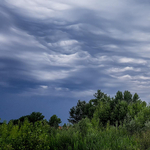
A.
x: 72, y: 48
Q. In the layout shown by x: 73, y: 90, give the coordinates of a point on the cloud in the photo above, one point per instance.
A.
x: 37, y: 9
x: 131, y: 60
x: 124, y: 69
x: 50, y: 75
x: 44, y: 86
x: 64, y: 43
x: 74, y: 46
x: 53, y: 53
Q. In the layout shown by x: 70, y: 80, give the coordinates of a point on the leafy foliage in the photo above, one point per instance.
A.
x: 54, y: 121
x: 78, y: 112
x: 118, y: 123
x: 83, y: 109
x: 33, y: 117
x: 79, y: 137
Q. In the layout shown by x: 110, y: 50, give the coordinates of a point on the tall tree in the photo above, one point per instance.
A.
x: 83, y: 109
x: 99, y: 96
x: 33, y: 117
x: 54, y: 121
x: 78, y: 112
x: 136, y: 97
x: 119, y: 95
x: 127, y: 96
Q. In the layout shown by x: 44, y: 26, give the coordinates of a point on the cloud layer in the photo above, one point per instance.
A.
x: 72, y: 48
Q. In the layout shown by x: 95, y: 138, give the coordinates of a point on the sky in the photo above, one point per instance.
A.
x: 56, y: 52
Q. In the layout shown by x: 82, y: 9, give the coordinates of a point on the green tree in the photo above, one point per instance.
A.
x: 32, y: 118
x: 54, y: 121
x: 119, y: 112
x: 64, y: 126
x: 83, y: 109
x: 135, y: 97
x: 127, y: 96
x: 35, y: 116
x: 99, y: 96
x: 135, y: 107
x: 139, y: 121
x: 84, y: 126
x: 102, y: 114
x: 1, y: 122
x: 89, y: 110
x: 78, y: 112
x: 118, y: 97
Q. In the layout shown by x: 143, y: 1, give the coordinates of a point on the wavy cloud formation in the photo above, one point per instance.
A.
x: 67, y: 49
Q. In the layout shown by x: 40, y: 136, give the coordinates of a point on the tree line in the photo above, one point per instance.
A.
x: 104, y: 122
x: 99, y: 110
x: 102, y: 108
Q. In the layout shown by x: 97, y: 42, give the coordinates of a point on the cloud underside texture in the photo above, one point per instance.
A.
x: 72, y: 48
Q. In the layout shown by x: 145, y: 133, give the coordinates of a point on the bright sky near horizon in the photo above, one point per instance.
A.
x: 55, y: 52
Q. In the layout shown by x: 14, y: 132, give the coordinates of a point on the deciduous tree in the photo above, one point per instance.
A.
x: 54, y: 121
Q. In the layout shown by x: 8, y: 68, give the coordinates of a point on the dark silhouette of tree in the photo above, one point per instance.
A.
x: 32, y: 118
x: 35, y: 116
x: 54, y: 121
x: 118, y: 97
x: 127, y: 96
x: 83, y: 109
x: 78, y: 112
x: 99, y: 96
x: 136, y: 97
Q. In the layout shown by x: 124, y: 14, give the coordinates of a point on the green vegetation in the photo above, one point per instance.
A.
x: 54, y: 121
x: 103, y: 123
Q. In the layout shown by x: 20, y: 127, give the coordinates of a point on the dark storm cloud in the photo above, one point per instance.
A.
x: 66, y: 49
